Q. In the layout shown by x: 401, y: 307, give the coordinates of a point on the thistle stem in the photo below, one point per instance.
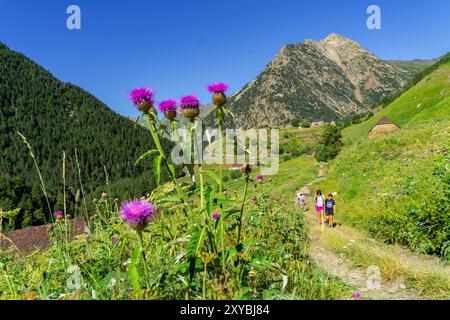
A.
x: 200, y: 168
x: 152, y: 128
x: 221, y: 129
x: 247, y: 179
x: 141, y: 244
x: 222, y: 133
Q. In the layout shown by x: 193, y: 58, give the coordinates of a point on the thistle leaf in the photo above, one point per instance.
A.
x: 146, y: 155
x: 157, y: 169
x: 133, y: 272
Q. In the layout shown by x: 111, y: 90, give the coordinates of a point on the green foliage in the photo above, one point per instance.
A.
x: 398, y: 187
x: 296, y: 122
x: 329, y: 144
x: 183, y: 254
x: 305, y: 124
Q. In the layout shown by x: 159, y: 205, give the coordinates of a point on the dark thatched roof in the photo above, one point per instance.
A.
x: 385, y: 121
x: 37, y: 238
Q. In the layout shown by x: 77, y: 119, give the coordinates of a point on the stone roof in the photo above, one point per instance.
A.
x: 37, y: 238
x: 386, y: 121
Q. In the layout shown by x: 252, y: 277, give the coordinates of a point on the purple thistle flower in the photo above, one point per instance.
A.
x: 142, y: 96
x: 254, y: 199
x: 114, y: 240
x: 59, y: 215
x: 168, y: 105
x: 137, y: 213
x: 216, y: 215
x: 285, y: 203
x: 189, y: 102
x: 356, y: 295
x: 218, y: 87
x: 260, y: 178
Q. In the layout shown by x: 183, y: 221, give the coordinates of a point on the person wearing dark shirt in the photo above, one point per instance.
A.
x: 330, y: 210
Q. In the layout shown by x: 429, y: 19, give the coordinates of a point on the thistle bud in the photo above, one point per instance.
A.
x: 246, y: 169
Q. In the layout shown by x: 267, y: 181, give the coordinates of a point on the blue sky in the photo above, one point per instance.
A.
x: 177, y: 47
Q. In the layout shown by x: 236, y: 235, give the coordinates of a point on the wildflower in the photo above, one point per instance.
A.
x: 59, y: 215
x: 218, y: 87
x: 356, y: 295
x: 218, y: 90
x: 137, y: 213
x: 216, y: 215
x: 169, y: 108
x: 190, y: 106
x: 285, y: 203
x: 143, y: 99
x: 104, y: 195
x: 114, y: 240
x: 254, y: 199
x: 260, y: 178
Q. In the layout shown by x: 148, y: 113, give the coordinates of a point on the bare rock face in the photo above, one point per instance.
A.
x: 325, y: 80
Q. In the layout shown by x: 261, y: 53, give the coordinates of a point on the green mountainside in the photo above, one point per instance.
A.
x: 56, y: 117
x: 413, y: 66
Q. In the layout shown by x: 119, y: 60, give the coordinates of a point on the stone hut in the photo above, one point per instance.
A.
x: 382, y: 127
x: 317, y: 123
x: 35, y: 238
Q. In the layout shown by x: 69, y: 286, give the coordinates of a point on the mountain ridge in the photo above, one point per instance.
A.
x: 325, y: 79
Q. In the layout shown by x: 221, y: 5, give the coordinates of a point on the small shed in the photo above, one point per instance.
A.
x: 382, y: 127
x: 317, y: 123
x: 29, y: 239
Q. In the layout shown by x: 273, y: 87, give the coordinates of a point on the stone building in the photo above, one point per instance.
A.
x: 382, y: 127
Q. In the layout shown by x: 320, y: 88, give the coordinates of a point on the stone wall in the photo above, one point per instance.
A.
x: 382, y: 129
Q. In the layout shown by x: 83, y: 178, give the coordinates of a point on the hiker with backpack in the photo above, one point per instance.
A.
x: 319, y: 200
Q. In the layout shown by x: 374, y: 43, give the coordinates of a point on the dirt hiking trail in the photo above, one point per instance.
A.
x: 362, y: 279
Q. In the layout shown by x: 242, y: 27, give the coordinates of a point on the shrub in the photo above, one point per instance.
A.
x: 306, y: 124
x: 329, y: 144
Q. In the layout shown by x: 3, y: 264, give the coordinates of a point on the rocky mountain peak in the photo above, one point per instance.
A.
x: 317, y: 79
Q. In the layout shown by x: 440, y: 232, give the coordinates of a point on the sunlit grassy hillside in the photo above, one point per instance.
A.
x: 397, y: 186
x: 426, y: 102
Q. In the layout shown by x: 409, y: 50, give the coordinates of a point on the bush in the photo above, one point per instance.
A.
x: 296, y: 122
x: 330, y: 144
x: 306, y: 124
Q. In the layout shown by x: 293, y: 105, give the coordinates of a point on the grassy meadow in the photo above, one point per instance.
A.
x: 397, y: 186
